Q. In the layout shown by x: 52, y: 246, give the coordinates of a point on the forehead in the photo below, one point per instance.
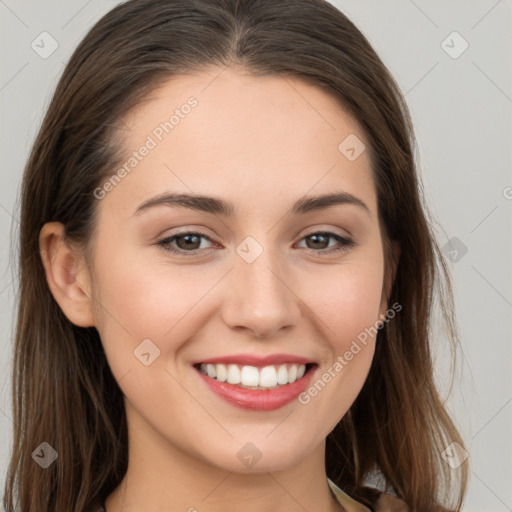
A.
x: 247, y: 138
x: 228, y: 98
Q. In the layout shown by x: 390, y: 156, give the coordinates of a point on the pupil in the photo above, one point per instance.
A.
x: 316, y: 237
x: 187, y: 238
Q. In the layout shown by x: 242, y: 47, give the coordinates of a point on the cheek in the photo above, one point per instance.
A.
x: 152, y: 313
x: 347, y: 298
x: 347, y: 309
x: 138, y: 301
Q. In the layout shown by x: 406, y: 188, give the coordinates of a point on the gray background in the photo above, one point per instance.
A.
x: 461, y: 108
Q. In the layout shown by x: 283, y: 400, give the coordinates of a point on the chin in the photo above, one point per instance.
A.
x: 258, y: 454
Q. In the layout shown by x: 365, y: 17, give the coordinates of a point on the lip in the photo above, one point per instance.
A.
x: 255, y: 360
x: 257, y: 399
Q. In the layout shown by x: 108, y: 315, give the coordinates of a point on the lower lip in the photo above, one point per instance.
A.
x: 259, y: 399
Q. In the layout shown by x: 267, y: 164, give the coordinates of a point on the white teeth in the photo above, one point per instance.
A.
x: 222, y: 372
x: 292, y: 374
x: 268, y: 377
x: 210, y: 369
x: 282, y: 375
x: 250, y: 376
x: 253, y: 377
x: 233, y: 374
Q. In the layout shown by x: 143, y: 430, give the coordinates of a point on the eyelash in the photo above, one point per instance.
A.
x: 346, y: 243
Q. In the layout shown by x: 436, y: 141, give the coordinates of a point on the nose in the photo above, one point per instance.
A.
x: 261, y: 297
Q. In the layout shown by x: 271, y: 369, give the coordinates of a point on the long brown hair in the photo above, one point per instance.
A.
x: 63, y: 390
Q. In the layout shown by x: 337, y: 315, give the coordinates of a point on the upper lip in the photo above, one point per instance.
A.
x: 255, y: 360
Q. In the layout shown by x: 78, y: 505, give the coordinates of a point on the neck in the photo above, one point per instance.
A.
x: 161, y: 477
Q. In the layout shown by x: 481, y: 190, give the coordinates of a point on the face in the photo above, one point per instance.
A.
x: 266, y: 287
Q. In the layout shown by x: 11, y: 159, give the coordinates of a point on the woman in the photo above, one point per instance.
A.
x: 253, y: 369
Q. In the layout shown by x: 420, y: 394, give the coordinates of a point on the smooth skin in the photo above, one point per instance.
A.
x: 260, y: 143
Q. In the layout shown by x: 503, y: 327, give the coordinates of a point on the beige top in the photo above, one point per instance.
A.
x: 385, y: 502
x: 344, y: 499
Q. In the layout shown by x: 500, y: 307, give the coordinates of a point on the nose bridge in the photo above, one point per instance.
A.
x: 261, y: 299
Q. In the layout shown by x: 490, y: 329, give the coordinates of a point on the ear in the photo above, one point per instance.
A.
x: 386, y: 291
x: 67, y: 275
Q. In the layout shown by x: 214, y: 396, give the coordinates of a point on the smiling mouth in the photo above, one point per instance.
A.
x: 253, y: 377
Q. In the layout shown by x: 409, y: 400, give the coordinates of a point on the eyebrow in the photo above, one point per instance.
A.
x: 217, y: 206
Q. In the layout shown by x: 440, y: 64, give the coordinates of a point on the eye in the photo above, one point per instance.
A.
x: 320, y: 238
x: 189, y: 242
